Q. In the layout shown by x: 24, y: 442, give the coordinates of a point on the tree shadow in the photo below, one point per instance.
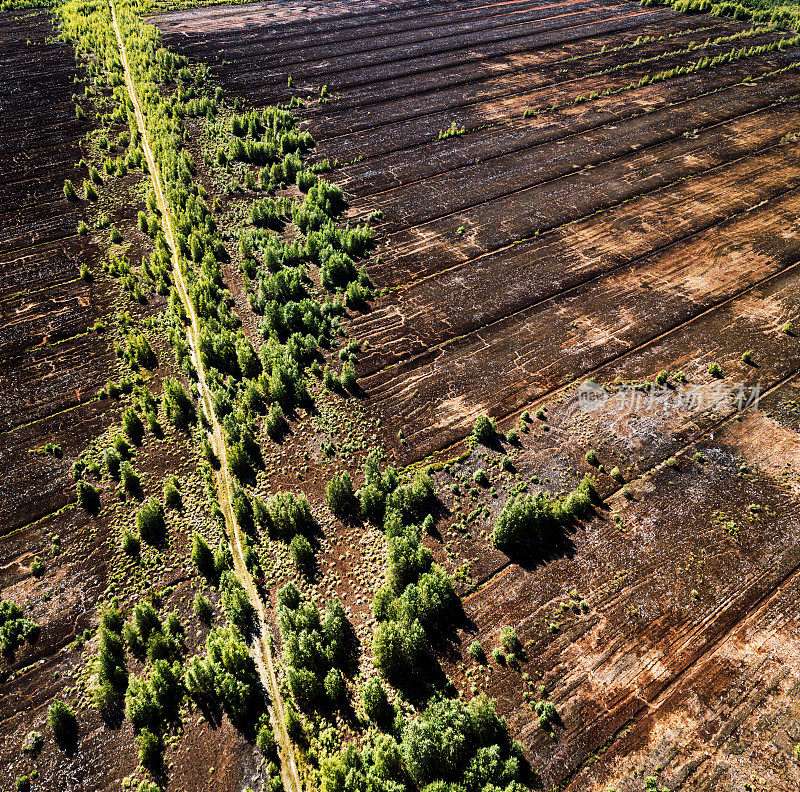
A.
x: 557, y: 544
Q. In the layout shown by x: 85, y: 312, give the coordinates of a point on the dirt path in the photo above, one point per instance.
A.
x: 260, y: 647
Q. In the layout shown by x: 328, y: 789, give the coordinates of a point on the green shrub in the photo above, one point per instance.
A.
x: 121, y: 446
x: 222, y: 557
x: 129, y: 478
x: 377, y: 706
x: 265, y: 740
x: 150, y: 521
x: 454, y: 740
x: 509, y: 640
x: 372, y: 501
x: 151, y: 701
x: 530, y: 519
x: 202, y: 608
x: 294, y: 726
x: 172, y: 495
x: 62, y: 722
x: 334, y: 686
x: 476, y: 652
x: 275, y: 422
x: 399, y: 649
x: 130, y: 543
x: 112, y: 461
x: 484, y: 430
x: 88, y: 497
x: 15, y: 628
x: 69, y: 191
x: 348, y: 377
x: 340, y: 496
x: 289, y: 514
x: 150, y: 749
x: 547, y: 713
x: 202, y: 556
x: 237, y: 606
x: 179, y: 407
x: 301, y: 551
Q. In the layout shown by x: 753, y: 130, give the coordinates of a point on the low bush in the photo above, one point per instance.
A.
x: 150, y: 522
x: 375, y: 702
x: 340, y: 496
x: 528, y: 520
x: 130, y: 543
x: 476, y: 652
x: 179, y: 407
x: 289, y: 514
x: 61, y: 720
x: 129, y: 478
x: 88, y: 497
x: 15, y: 628
x: 237, y: 606
x: 202, y: 608
x: 484, y: 430
x: 301, y: 552
x: 172, y: 495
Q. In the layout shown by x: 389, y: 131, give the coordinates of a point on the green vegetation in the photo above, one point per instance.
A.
x: 532, y: 520
x: 451, y: 745
x: 376, y: 704
x: 179, y: 407
x: 452, y: 131
x: 289, y: 515
x: 150, y: 522
x: 202, y: 608
x: 301, y: 551
x: 484, y: 430
x: 417, y: 597
x: 61, y: 720
x: 15, y: 628
x: 476, y: 652
x: 172, y: 494
x: 340, y: 496
x: 112, y: 675
x: 88, y: 497
x: 69, y: 191
x: 772, y: 12
x: 313, y: 648
x: 236, y: 603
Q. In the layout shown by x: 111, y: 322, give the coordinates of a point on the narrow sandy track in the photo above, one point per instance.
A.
x: 260, y: 647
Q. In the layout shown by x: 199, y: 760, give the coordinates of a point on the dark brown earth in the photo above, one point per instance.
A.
x: 649, y: 230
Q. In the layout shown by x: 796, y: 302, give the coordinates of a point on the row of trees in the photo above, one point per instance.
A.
x: 315, y: 648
